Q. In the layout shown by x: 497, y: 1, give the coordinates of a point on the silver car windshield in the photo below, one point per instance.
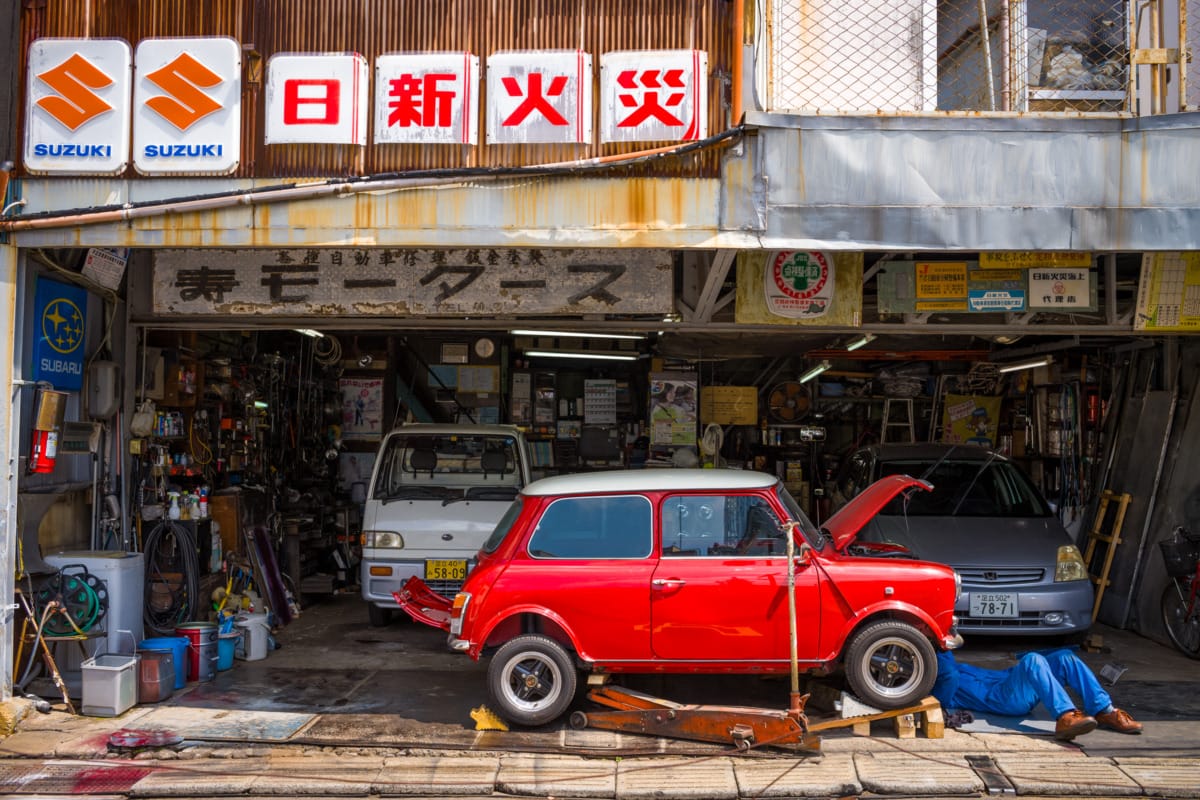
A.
x: 974, y: 488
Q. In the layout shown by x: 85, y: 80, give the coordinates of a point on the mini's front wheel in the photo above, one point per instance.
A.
x: 531, y: 680
x: 890, y: 664
x: 1181, y: 618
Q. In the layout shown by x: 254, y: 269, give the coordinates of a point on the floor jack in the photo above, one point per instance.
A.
x: 743, y: 727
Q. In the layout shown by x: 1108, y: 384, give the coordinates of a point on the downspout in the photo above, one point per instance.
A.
x: 739, y: 48
x: 10, y: 529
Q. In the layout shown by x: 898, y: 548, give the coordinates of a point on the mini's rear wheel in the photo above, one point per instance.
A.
x: 890, y: 664
x: 531, y: 680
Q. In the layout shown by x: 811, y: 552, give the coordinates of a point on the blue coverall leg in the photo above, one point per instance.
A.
x: 1041, y: 677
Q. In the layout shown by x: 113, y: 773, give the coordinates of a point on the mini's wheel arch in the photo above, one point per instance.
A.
x: 900, y: 613
x: 525, y: 621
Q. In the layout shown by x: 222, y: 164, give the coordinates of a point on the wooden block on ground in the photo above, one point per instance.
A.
x: 935, y: 723
x: 862, y: 728
x: 906, y: 726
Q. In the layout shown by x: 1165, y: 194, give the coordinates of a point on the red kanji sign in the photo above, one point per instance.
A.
x: 650, y: 95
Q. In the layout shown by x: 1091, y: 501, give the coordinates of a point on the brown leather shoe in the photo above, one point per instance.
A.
x: 1119, y: 721
x: 1073, y: 723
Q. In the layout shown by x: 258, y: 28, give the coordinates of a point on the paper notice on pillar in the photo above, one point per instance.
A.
x: 795, y: 287
x: 1169, y: 293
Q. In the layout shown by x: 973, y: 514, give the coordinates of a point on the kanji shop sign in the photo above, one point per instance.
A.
x: 652, y: 95
x: 186, y: 112
x: 541, y: 98
x: 317, y: 99
x: 402, y: 282
x: 427, y: 98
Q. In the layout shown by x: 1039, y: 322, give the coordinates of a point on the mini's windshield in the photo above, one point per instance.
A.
x: 447, y: 466
x: 975, y: 488
x: 813, y: 536
x: 503, y: 527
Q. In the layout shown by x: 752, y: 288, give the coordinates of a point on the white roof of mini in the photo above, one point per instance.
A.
x: 653, y: 479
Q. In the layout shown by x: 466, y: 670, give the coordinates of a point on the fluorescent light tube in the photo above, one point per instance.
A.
x: 598, y: 355
x: 309, y: 332
x: 577, y: 334
x: 814, y: 372
x: 866, y: 338
x: 1045, y: 361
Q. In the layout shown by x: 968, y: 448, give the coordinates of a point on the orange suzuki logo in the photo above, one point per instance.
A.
x: 187, y: 104
x: 74, y: 80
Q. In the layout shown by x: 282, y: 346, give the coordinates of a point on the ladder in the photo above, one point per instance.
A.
x: 1111, y: 539
x: 905, y: 423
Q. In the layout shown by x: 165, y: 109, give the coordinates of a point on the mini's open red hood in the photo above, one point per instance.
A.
x: 844, y: 526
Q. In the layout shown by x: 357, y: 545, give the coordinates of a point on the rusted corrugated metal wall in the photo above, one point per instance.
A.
x: 266, y: 27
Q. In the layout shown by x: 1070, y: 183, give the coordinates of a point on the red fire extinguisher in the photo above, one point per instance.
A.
x: 47, y: 426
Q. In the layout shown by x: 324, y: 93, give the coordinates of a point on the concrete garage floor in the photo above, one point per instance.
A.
x: 399, y: 686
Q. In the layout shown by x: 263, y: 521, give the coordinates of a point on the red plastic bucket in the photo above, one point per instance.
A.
x: 201, y: 651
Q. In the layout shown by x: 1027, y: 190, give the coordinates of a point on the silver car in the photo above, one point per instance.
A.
x: 1021, y: 573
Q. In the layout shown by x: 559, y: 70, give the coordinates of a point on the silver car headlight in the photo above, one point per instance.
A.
x: 385, y: 539
x: 1070, y: 565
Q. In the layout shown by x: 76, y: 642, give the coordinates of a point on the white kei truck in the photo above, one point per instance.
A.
x: 436, y: 493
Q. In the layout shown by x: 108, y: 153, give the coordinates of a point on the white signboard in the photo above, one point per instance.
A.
x: 187, y: 106
x: 539, y: 97
x: 106, y: 267
x: 317, y: 99
x: 652, y: 95
x: 77, y: 106
x: 402, y: 282
x: 429, y: 98
x: 1058, y: 288
x: 799, y: 284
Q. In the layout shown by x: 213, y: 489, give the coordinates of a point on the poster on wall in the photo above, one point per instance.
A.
x: 971, y: 419
x: 362, y: 407
x: 1169, y: 293
x: 60, y: 320
x: 673, y: 408
x: 793, y: 287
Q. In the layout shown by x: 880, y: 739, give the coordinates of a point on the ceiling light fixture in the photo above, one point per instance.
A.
x: 814, y: 372
x: 1044, y: 361
x: 865, y: 339
x: 309, y: 332
x: 578, y: 334
x: 597, y: 355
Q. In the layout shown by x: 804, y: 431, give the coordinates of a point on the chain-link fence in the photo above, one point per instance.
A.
x: 896, y: 56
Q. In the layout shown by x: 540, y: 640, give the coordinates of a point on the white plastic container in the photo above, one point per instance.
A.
x: 109, y: 684
x: 255, y: 633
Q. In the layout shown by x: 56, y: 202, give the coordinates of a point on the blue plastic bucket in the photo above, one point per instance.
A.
x: 177, y: 645
x: 226, y: 645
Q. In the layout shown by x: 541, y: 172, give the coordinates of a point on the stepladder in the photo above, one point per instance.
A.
x: 1108, y: 533
x: 901, y: 425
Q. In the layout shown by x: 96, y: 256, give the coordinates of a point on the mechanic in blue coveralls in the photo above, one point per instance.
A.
x: 1036, y: 677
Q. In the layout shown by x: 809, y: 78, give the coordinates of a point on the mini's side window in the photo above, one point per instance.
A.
x: 594, y: 527
x: 720, y: 525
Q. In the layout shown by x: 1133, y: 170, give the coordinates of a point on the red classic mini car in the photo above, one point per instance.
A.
x: 685, y: 571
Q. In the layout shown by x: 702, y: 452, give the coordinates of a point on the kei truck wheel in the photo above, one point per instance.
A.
x: 890, y: 664
x: 531, y: 680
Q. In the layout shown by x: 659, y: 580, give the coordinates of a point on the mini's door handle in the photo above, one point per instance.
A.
x: 663, y: 583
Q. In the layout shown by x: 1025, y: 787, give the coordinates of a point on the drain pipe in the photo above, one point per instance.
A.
x: 309, y: 191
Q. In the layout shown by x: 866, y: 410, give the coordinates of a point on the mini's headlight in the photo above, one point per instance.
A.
x: 1070, y: 565
x: 383, y: 539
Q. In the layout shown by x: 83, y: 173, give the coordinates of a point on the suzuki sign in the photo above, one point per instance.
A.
x: 77, y: 106
x: 187, y: 101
